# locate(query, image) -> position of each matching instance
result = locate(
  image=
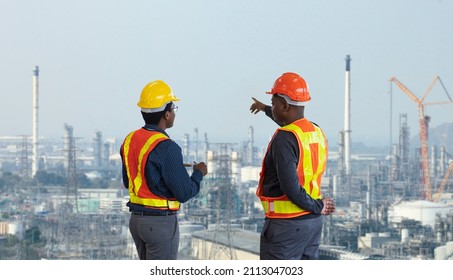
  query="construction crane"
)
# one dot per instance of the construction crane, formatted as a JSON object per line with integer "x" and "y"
{"x": 444, "y": 182}
{"x": 423, "y": 122}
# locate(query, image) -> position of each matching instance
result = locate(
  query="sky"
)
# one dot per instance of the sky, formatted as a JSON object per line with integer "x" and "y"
{"x": 96, "y": 56}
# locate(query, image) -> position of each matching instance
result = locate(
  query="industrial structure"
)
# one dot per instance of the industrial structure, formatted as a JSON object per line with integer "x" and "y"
{"x": 347, "y": 117}
{"x": 74, "y": 206}
{"x": 35, "y": 135}
{"x": 426, "y": 188}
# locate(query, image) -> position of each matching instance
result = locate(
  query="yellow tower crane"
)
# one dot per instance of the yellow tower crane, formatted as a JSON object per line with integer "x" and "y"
{"x": 426, "y": 190}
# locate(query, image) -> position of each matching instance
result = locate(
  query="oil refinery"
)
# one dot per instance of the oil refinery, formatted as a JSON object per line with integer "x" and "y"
{"x": 64, "y": 198}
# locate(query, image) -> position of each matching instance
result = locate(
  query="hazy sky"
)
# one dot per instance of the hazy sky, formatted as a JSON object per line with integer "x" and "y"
{"x": 96, "y": 56}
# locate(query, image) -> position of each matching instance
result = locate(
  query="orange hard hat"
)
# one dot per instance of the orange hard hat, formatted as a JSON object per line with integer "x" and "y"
{"x": 293, "y": 86}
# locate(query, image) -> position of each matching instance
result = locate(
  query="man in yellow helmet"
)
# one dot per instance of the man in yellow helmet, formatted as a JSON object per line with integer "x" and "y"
{"x": 155, "y": 175}
{"x": 290, "y": 180}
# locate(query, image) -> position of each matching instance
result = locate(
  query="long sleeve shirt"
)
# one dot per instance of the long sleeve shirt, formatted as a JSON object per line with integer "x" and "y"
{"x": 281, "y": 172}
{"x": 165, "y": 173}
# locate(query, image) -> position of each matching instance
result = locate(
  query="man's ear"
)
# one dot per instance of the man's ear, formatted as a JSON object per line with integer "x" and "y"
{"x": 167, "y": 115}
{"x": 286, "y": 107}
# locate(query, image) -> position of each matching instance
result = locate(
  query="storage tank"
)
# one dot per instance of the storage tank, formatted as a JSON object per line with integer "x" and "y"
{"x": 420, "y": 210}
{"x": 235, "y": 167}
{"x": 15, "y": 229}
{"x": 404, "y": 235}
{"x": 449, "y": 251}
{"x": 211, "y": 162}
{"x": 250, "y": 173}
{"x": 440, "y": 253}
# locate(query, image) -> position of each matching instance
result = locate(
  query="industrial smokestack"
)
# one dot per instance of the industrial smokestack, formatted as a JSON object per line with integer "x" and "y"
{"x": 34, "y": 167}
{"x": 347, "y": 117}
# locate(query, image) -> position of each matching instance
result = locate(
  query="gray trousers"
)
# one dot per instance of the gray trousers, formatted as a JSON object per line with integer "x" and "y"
{"x": 155, "y": 237}
{"x": 289, "y": 239}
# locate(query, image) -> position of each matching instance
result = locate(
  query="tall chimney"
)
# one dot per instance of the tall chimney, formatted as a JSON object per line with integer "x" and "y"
{"x": 347, "y": 117}
{"x": 34, "y": 167}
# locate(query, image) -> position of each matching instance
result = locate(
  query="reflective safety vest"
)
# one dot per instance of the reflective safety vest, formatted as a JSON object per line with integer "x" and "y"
{"x": 311, "y": 165}
{"x": 136, "y": 148}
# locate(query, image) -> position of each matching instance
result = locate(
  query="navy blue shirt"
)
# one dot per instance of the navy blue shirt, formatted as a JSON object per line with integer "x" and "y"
{"x": 166, "y": 174}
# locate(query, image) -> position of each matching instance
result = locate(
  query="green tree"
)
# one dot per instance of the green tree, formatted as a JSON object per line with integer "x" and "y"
{"x": 83, "y": 181}
{"x": 8, "y": 247}
{"x": 32, "y": 242}
{"x": 44, "y": 178}
{"x": 9, "y": 179}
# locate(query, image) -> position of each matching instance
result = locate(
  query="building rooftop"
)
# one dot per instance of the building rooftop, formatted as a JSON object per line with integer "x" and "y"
{"x": 245, "y": 240}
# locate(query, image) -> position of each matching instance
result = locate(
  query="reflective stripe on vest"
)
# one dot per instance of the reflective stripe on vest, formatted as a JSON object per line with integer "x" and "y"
{"x": 311, "y": 165}
{"x": 135, "y": 157}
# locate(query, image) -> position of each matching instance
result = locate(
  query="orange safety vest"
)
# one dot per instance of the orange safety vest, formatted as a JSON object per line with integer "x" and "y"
{"x": 136, "y": 148}
{"x": 311, "y": 165}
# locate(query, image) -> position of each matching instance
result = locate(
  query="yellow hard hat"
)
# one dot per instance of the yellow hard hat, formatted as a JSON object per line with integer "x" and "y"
{"x": 155, "y": 96}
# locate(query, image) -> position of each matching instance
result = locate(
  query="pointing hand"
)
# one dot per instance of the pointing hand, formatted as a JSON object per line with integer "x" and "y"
{"x": 256, "y": 106}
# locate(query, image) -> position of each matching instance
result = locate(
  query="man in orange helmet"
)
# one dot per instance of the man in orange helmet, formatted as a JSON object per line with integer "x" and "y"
{"x": 290, "y": 180}
{"x": 154, "y": 174}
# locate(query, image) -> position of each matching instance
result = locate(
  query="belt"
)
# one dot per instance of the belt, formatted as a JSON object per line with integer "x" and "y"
{"x": 162, "y": 213}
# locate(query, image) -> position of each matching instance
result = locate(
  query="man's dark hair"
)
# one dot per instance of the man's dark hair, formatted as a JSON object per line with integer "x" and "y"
{"x": 154, "y": 118}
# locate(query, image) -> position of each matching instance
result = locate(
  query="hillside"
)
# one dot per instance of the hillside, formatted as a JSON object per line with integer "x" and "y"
{"x": 441, "y": 135}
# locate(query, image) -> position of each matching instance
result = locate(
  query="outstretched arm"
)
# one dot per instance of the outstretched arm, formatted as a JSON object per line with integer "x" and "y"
{"x": 258, "y": 106}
